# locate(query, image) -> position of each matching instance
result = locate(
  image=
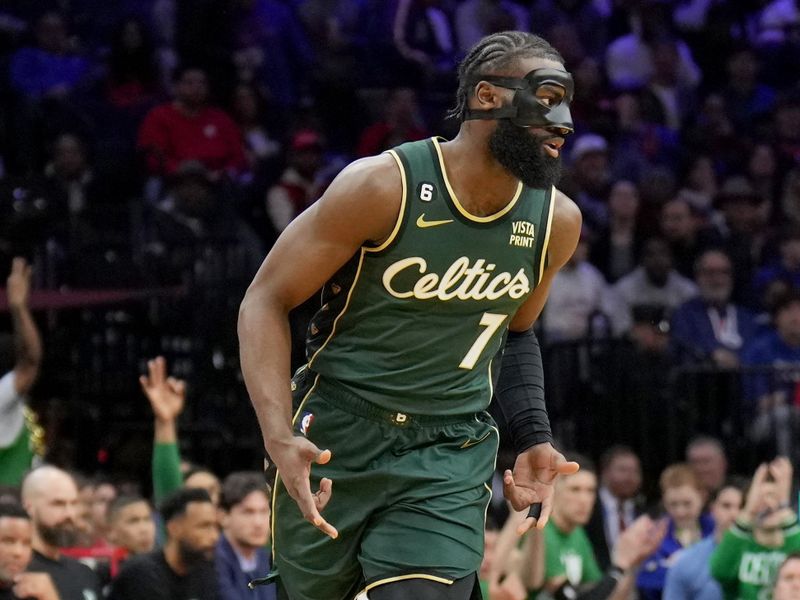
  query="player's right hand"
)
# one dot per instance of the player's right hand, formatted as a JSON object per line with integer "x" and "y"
{"x": 294, "y": 457}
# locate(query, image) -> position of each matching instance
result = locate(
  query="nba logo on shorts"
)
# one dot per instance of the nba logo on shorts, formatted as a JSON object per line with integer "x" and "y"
{"x": 305, "y": 423}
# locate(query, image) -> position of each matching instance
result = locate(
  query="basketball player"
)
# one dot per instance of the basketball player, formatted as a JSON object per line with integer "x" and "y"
{"x": 433, "y": 257}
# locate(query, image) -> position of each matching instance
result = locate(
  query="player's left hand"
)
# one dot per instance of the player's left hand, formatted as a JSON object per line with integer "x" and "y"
{"x": 535, "y": 470}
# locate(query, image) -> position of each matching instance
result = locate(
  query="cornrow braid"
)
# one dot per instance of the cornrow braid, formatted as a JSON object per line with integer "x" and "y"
{"x": 494, "y": 52}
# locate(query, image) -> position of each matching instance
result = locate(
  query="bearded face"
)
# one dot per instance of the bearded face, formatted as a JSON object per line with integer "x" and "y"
{"x": 522, "y": 153}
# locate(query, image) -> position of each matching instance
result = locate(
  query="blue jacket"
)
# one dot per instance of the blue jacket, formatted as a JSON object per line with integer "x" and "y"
{"x": 692, "y": 334}
{"x": 233, "y": 581}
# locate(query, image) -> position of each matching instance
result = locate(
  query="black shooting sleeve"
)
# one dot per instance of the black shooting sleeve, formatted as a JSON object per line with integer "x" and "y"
{"x": 520, "y": 391}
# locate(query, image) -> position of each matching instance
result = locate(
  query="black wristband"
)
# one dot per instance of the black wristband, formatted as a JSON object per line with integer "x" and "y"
{"x": 520, "y": 391}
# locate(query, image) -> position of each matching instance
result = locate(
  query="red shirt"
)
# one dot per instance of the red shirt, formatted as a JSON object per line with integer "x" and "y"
{"x": 169, "y": 137}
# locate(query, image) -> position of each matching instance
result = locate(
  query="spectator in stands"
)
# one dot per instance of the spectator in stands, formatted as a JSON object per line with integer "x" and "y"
{"x": 183, "y": 569}
{"x": 683, "y": 499}
{"x": 747, "y": 558}
{"x": 475, "y": 19}
{"x": 654, "y": 283}
{"x": 774, "y": 394}
{"x": 578, "y": 293}
{"x": 785, "y": 268}
{"x": 261, "y": 146}
{"x": 570, "y": 567}
{"x": 402, "y": 122}
{"x": 51, "y": 69}
{"x": 188, "y": 129}
{"x": 668, "y": 99}
{"x": 615, "y": 249}
{"x": 786, "y": 129}
{"x": 103, "y": 495}
{"x": 750, "y": 103}
{"x": 131, "y": 525}
{"x": 620, "y": 502}
{"x": 50, "y": 497}
{"x": 684, "y": 231}
{"x": 588, "y": 179}
{"x": 21, "y": 437}
{"x": 167, "y": 396}
{"x": 706, "y": 456}
{"x": 710, "y": 327}
{"x": 590, "y": 18}
{"x": 690, "y": 577}
{"x": 790, "y": 197}
{"x": 298, "y": 187}
{"x": 743, "y": 233}
{"x": 423, "y": 37}
{"x": 787, "y": 581}
{"x": 133, "y": 79}
{"x": 15, "y": 555}
{"x": 762, "y": 170}
{"x": 240, "y": 555}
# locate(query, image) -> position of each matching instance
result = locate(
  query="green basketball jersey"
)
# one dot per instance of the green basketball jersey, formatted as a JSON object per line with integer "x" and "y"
{"x": 412, "y": 325}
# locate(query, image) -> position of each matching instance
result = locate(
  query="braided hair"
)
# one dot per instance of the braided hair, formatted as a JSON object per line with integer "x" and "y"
{"x": 494, "y": 52}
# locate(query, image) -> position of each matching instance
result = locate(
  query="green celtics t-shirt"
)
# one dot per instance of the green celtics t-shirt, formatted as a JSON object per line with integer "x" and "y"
{"x": 415, "y": 323}
{"x": 568, "y": 554}
{"x": 745, "y": 569}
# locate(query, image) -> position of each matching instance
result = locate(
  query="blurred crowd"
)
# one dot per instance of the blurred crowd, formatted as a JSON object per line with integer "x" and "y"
{"x": 151, "y": 151}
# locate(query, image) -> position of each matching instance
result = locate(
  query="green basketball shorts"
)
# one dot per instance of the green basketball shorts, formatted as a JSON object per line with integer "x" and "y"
{"x": 409, "y": 497}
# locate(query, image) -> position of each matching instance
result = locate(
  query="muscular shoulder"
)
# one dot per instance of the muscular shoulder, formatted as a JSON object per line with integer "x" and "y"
{"x": 367, "y": 195}
{"x": 565, "y": 229}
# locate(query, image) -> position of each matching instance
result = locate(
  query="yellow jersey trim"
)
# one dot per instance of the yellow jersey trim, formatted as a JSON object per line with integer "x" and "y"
{"x": 459, "y": 207}
{"x": 278, "y": 475}
{"x": 402, "y": 213}
{"x": 427, "y": 576}
{"x": 344, "y": 310}
{"x": 547, "y": 233}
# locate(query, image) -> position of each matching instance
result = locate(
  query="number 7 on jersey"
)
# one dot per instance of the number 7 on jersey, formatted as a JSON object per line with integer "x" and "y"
{"x": 492, "y": 322}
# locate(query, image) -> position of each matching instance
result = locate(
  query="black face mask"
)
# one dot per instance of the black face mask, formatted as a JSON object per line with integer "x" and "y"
{"x": 527, "y": 109}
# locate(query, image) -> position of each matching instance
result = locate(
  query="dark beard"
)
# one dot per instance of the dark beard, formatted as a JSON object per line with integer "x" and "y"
{"x": 523, "y": 156}
{"x": 191, "y": 556}
{"x": 59, "y": 536}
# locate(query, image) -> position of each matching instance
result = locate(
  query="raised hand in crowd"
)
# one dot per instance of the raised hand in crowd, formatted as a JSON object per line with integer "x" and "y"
{"x": 18, "y": 285}
{"x": 167, "y": 396}
{"x": 27, "y": 342}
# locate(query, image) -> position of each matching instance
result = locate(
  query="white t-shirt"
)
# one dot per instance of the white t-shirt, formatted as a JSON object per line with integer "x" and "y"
{"x": 12, "y": 404}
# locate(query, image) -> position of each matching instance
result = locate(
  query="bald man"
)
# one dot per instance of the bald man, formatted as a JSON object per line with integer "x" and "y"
{"x": 50, "y": 497}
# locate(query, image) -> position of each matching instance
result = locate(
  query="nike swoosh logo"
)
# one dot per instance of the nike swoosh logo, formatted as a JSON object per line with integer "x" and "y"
{"x": 469, "y": 443}
{"x": 422, "y": 223}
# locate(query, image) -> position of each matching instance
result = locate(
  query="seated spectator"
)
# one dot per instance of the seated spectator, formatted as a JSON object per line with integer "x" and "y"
{"x": 668, "y": 99}
{"x": 15, "y": 556}
{"x": 773, "y": 395}
{"x": 750, "y": 102}
{"x": 402, "y": 122}
{"x": 51, "y": 69}
{"x": 787, "y": 581}
{"x": 588, "y": 179}
{"x": 619, "y": 500}
{"x": 577, "y": 294}
{"x": 690, "y": 577}
{"x": 50, "y": 497}
{"x": 785, "y": 268}
{"x": 298, "y": 187}
{"x": 615, "y": 249}
{"x": 131, "y": 525}
{"x": 133, "y": 78}
{"x": 747, "y": 558}
{"x": 104, "y": 494}
{"x": 183, "y": 569}
{"x": 21, "y": 437}
{"x": 706, "y": 456}
{"x": 188, "y": 129}
{"x": 683, "y": 500}
{"x": 683, "y": 229}
{"x": 261, "y": 146}
{"x": 569, "y": 566}
{"x": 710, "y": 327}
{"x": 240, "y": 556}
{"x": 654, "y": 283}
